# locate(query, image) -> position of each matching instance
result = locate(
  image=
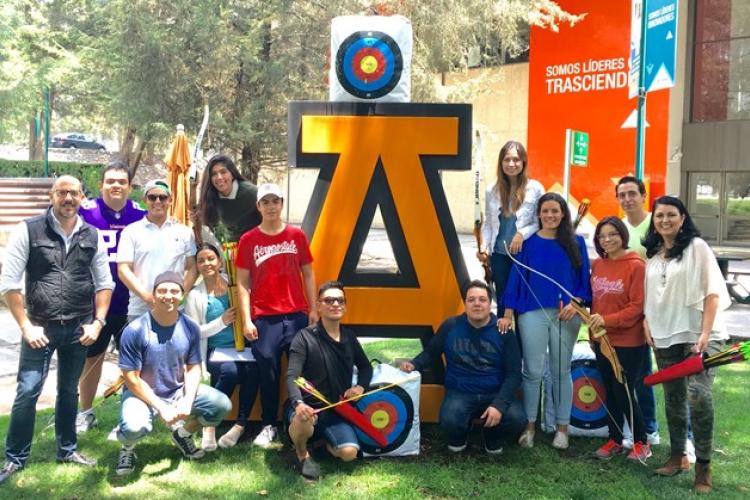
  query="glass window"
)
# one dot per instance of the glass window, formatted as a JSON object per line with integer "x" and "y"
{"x": 703, "y": 204}
{"x": 737, "y": 196}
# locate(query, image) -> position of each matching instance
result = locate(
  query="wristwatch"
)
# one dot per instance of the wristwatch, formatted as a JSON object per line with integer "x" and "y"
{"x": 101, "y": 321}
{"x": 297, "y": 403}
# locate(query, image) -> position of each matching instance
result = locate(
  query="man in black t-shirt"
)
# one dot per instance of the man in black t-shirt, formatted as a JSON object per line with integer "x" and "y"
{"x": 325, "y": 355}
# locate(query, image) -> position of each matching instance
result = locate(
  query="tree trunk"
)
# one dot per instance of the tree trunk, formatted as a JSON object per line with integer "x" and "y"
{"x": 249, "y": 162}
{"x": 139, "y": 154}
{"x": 126, "y": 147}
{"x": 32, "y": 138}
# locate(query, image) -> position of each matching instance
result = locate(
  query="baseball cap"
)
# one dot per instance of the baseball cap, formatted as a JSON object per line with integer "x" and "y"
{"x": 269, "y": 189}
{"x": 169, "y": 277}
{"x": 156, "y": 184}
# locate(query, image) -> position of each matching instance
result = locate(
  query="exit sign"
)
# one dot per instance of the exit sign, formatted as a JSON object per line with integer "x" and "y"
{"x": 579, "y": 153}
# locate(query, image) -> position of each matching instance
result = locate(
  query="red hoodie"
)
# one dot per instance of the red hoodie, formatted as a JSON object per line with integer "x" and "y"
{"x": 617, "y": 289}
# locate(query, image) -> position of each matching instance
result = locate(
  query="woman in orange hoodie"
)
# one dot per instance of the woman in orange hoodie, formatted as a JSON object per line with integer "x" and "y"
{"x": 617, "y": 279}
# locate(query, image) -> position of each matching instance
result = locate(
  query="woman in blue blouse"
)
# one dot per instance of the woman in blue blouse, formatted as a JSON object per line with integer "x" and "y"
{"x": 546, "y": 319}
{"x": 208, "y": 304}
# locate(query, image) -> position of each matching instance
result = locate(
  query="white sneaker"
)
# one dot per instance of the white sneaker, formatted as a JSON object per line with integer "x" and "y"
{"x": 85, "y": 422}
{"x": 653, "y": 438}
{"x": 208, "y": 439}
{"x": 230, "y": 438}
{"x": 526, "y": 440}
{"x": 266, "y": 436}
{"x": 457, "y": 449}
{"x": 690, "y": 451}
{"x": 561, "y": 441}
{"x": 112, "y": 436}
{"x": 627, "y": 443}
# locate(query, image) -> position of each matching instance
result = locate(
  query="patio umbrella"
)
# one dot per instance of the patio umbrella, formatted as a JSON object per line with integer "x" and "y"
{"x": 178, "y": 166}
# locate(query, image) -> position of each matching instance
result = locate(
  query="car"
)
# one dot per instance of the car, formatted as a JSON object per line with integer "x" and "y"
{"x": 76, "y": 141}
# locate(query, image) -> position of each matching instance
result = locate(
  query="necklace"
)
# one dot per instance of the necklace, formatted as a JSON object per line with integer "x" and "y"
{"x": 663, "y": 266}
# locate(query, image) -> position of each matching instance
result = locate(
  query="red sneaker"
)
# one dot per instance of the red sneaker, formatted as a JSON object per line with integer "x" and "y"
{"x": 640, "y": 451}
{"x": 609, "y": 450}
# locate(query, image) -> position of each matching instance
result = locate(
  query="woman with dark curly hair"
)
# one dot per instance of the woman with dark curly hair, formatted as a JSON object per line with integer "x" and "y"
{"x": 227, "y": 198}
{"x": 556, "y": 251}
{"x": 685, "y": 294}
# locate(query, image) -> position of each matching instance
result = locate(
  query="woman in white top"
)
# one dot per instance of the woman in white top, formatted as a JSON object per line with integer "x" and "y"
{"x": 510, "y": 211}
{"x": 685, "y": 294}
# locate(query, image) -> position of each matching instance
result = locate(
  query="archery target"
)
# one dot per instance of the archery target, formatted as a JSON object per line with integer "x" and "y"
{"x": 372, "y": 59}
{"x": 392, "y": 412}
{"x": 589, "y": 395}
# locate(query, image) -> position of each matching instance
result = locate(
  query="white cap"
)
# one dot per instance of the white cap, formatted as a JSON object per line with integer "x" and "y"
{"x": 269, "y": 189}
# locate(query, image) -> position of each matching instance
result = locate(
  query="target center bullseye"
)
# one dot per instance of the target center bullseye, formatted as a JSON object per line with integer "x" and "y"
{"x": 379, "y": 419}
{"x": 587, "y": 394}
{"x": 369, "y": 64}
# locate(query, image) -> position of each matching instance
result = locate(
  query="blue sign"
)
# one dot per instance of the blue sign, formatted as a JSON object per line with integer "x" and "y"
{"x": 661, "y": 36}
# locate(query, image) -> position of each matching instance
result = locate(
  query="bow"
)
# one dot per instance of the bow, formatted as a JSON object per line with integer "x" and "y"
{"x": 478, "y": 218}
{"x": 194, "y": 176}
{"x": 600, "y": 334}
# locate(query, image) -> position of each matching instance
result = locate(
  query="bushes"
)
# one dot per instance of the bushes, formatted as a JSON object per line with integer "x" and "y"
{"x": 88, "y": 173}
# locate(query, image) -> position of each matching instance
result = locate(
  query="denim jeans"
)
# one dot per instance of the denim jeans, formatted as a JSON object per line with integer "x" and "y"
{"x": 136, "y": 417}
{"x": 646, "y": 398}
{"x": 459, "y": 408}
{"x": 33, "y": 367}
{"x": 226, "y": 375}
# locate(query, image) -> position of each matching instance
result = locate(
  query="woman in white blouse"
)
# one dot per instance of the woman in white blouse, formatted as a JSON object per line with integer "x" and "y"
{"x": 685, "y": 297}
{"x": 510, "y": 211}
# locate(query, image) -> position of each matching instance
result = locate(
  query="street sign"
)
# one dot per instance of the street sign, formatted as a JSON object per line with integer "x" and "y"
{"x": 661, "y": 44}
{"x": 579, "y": 153}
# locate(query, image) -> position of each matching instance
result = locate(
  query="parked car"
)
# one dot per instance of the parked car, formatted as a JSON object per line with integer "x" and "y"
{"x": 75, "y": 141}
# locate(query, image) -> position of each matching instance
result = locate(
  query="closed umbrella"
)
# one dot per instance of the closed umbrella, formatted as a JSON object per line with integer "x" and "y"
{"x": 178, "y": 166}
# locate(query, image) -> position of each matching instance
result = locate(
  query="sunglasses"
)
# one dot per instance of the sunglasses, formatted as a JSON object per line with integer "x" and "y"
{"x": 161, "y": 197}
{"x": 329, "y": 301}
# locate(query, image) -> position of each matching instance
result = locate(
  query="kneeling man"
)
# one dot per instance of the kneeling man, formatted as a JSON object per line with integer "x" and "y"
{"x": 161, "y": 362}
{"x": 483, "y": 370}
{"x": 325, "y": 355}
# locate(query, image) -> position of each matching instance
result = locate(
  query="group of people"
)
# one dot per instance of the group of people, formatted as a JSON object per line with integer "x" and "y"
{"x": 104, "y": 268}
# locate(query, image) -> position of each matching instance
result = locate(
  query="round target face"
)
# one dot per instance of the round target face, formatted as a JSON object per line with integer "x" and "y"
{"x": 589, "y": 396}
{"x": 369, "y": 64}
{"x": 392, "y": 412}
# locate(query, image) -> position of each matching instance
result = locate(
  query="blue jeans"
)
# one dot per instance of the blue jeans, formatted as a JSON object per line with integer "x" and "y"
{"x": 136, "y": 417}
{"x": 275, "y": 334}
{"x": 227, "y": 375}
{"x": 33, "y": 367}
{"x": 501, "y": 265}
{"x": 646, "y": 399}
{"x": 459, "y": 408}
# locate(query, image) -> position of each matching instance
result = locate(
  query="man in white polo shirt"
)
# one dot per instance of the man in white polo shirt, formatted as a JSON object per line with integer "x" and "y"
{"x": 153, "y": 245}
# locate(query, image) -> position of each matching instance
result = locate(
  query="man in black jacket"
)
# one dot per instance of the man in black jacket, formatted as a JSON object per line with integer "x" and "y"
{"x": 482, "y": 373}
{"x": 325, "y": 355}
{"x": 68, "y": 289}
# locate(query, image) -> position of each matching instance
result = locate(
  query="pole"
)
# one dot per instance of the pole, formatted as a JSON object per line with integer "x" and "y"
{"x": 640, "y": 138}
{"x": 46, "y": 131}
{"x": 566, "y": 167}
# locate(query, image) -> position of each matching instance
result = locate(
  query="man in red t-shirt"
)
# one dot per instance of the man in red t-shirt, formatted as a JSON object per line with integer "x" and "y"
{"x": 276, "y": 285}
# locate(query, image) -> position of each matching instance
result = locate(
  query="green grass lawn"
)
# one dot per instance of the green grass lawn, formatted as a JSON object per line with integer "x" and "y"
{"x": 541, "y": 472}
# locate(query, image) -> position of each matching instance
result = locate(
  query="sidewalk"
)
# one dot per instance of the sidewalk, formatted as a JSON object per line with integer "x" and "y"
{"x": 377, "y": 252}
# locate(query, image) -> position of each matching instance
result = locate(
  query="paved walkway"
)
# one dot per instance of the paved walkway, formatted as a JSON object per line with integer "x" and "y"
{"x": 377, "y": 252}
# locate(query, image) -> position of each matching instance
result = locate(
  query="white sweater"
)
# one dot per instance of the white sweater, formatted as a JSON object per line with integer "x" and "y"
{"x": 526, "y": 220}
{"x": 195, "y": 307}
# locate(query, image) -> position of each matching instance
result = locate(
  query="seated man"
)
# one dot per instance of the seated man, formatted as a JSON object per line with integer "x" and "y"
{"x": 325, "y": 354}
{"x": 161, "y": 362}
{"x": 483, "y": 370}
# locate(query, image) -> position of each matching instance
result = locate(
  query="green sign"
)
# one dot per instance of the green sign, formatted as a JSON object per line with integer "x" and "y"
{"x": 579, "y": 153}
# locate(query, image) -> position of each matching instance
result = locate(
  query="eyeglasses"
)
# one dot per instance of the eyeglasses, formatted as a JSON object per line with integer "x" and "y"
{"x": 329, "y": 301}
{"x": 63, "y": 193}
{"x": 161, "y": 197}
{"x": 610, "y": 236}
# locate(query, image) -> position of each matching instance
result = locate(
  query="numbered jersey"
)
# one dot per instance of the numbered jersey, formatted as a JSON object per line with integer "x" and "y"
{"x": 110, "y": 224}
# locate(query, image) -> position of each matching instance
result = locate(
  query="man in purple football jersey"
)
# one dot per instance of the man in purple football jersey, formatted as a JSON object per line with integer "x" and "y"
{"x": 109, "y": 214}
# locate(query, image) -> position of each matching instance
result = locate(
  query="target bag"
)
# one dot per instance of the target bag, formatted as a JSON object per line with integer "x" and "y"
{"x": 394, "y": 411}
{"x": 370, "y": 59}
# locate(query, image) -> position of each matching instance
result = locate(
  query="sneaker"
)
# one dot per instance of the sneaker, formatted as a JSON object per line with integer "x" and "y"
{"x": 8, "y": 470}
{"x": 309, "y": 468}
{"x": 690, "y": 451}
{"x": 125, "y": 461}
{"x": 187, "y": 445}
{"x": 85, "y": 422}
{"x": 608, "y": 450}
{"x": 561, "y": 441}
{"x": 527, "y": 439}
{"x": 493, "y": 451}
{"x": 627, "y": 443}
{"x": 77, "y": 459}
{"x": 640, "y": 452}
{"x": 230, "y": 438}
{"x": 457, "y": 449}
{"x": 266, "y": 436}
{"x": 208, "y": 439}
{"x": 653, "y": 438}
{"x": 112, "y": 436}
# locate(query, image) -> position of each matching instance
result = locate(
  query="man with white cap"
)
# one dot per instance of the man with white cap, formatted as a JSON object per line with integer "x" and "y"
{"x": 160, "y": 358}
{"x": 152, "y": 245}
{"x": 276, "y": 288}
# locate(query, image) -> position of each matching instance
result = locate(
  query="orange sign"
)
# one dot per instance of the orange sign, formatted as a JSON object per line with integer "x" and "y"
{"x": 578, "y": 80}
{"x": 386, "y": 156}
